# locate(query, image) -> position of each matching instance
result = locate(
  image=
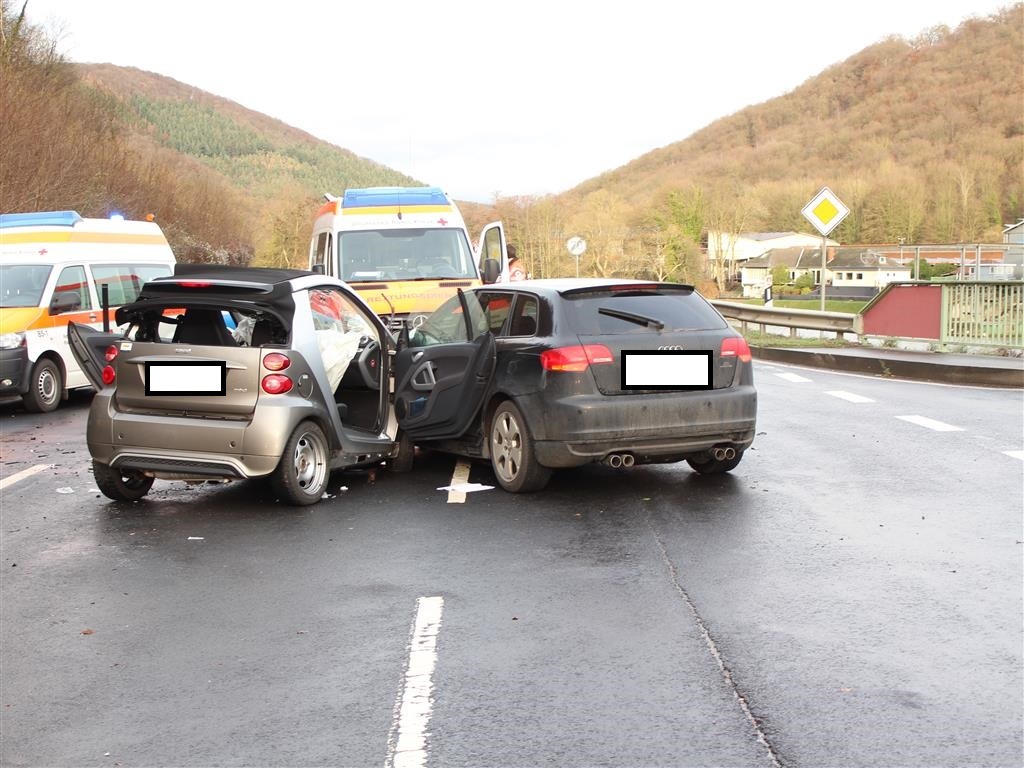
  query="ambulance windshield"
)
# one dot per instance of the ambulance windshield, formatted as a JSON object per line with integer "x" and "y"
{"x": 404, "y": 254}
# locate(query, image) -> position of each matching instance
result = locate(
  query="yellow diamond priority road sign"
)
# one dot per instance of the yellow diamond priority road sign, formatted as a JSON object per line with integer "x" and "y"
{"x": 825, "y": 211}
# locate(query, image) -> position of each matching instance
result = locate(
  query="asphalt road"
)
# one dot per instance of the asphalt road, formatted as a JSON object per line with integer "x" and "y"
{"x": 850, "y": 596}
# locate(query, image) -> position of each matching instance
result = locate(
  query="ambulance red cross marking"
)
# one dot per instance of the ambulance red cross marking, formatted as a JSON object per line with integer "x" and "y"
{"x": 442, "y": 221}
{"x": 43, "y": 251}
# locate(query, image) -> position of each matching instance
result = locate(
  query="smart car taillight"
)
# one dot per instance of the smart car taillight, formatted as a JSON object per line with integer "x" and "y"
{"x": 736, "y": 346}
{"x": 276, "y": 384}
{"x": 108, "y": 375}
{"x": 275, "y": 361}
{"x": 576, "y": 358}
{"x": 110, "y": 353}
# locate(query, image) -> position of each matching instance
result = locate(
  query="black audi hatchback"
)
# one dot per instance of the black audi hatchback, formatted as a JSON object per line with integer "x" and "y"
{"x": 546, "y": 374}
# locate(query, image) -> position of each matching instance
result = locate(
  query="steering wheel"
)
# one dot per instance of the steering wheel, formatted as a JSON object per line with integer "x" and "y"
{"x": 368, "y": 361}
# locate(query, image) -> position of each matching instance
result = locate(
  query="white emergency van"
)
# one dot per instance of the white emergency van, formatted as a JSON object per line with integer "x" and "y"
{"x": 53, "y": 269}
{"x": 404, "y": 249}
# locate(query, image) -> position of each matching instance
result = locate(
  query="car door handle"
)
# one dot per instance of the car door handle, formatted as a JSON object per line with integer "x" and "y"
{"x": 424, "y": 380}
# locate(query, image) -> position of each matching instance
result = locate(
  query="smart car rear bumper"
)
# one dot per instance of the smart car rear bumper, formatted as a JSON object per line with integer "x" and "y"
{"x": 577, "y": 429}
{"x": 176, "y": 447}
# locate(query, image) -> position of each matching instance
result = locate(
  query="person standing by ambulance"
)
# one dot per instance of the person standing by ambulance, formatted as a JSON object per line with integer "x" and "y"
{"x": 515, "y": 267}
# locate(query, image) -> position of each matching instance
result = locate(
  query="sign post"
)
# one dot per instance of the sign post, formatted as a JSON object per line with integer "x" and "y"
{"x": 825, "y": 211}
{"x": 576, "y": 245}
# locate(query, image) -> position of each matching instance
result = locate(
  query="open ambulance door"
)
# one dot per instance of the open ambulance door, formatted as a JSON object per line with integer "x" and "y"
{"x": 492, "y": 254}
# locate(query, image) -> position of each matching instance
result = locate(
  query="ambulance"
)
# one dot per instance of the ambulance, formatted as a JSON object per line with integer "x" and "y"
{"x": 404, "y": 249}
{"x": 55, "y": 267}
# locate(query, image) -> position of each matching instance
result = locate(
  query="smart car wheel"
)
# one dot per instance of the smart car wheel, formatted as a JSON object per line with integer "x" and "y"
{"x": 715, "y": 466}
{"x": 512, "y": 454}
{"x": 301, "y": 477}
{"x": 130, "y": 485}
{"x": 45, "y": 387}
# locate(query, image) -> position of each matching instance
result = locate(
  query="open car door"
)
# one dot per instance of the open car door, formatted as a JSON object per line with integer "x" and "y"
{"x": 442, "y": 376}
{"x": 89, "y": 347}
{"x": 492, "y": 253}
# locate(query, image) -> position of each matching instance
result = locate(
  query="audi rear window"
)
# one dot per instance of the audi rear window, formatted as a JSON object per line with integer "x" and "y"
{"x": 640, "y": 309}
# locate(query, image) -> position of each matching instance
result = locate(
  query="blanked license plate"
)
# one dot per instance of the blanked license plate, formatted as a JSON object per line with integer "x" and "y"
{"x": 186, "y": 377}
{"x": 666, "y": 369}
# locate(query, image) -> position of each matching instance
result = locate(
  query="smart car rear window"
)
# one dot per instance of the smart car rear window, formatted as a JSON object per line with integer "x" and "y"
{"x": 639, "y": 309}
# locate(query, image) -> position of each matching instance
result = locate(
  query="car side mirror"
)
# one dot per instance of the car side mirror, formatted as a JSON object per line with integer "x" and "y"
{"x": 491, "y": 270}
{"x": 65, "y": 301}
{"x": 318, "y": 268}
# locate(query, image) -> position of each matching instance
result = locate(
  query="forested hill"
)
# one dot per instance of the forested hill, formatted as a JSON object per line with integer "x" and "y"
{"x": 257, "y": 153}
{"x": 922, "y": 138}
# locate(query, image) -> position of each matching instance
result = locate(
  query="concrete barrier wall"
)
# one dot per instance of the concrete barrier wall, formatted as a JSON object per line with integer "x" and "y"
{"x": 905, "y": 311}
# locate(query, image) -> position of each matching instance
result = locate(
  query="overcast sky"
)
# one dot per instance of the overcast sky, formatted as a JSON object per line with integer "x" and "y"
{"x": 482, "y": 98}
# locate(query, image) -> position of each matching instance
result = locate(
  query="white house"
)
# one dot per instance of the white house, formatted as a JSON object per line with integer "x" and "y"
{"x": 864, "y": 268}
{"x": 756, "y": 273}
{"x": 859, "y": 271}
{"x": 749, "y": 245}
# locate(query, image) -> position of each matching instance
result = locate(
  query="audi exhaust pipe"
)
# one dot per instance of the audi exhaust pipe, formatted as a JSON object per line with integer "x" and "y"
{"x": 723, "y": 453}
{"x": 620, "y": 460}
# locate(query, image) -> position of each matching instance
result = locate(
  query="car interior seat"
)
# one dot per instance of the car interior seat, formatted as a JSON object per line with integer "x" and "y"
{"x": 264, "y": 332}
{"x": 524, "y": 325}
{"x": 205, "y": 327}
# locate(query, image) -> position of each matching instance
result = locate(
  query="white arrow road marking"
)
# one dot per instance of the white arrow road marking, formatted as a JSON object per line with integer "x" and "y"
{"x": 407, "y": 742}
{"x": 924, "y": 421}
{"x": 794, "y": 377}
{"x": 850, "y": 396}
{"x": 12, "y": 479}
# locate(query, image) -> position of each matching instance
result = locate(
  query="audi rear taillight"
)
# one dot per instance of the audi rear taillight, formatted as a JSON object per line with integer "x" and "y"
{"x": 736, "y": 346}
{"x": 276, "y": 384}
{"x": 577, "y": 358}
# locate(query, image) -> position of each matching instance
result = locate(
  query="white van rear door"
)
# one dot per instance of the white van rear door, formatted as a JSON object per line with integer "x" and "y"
{"x": 492, "y": 245}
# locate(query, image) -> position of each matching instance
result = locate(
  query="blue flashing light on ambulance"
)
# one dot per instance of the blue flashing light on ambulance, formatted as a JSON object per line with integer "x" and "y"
{"x": 404, "y": 249}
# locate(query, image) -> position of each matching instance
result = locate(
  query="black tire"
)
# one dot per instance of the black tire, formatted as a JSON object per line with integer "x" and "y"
{"x": 513, "y": 458}
{"x": 45, "y": 388}
{"x": 402, "y": 461}
{"x": 715, "y": 467}
{"x": 302, "y": 475}
{"x": 130, "y": 485}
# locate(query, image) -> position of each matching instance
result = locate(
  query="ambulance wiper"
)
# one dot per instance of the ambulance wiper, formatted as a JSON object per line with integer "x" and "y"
{"x": 650, "y": 322}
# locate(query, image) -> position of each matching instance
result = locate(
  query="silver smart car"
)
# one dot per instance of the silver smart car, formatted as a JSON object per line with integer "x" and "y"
{"x": 232, "y": 373}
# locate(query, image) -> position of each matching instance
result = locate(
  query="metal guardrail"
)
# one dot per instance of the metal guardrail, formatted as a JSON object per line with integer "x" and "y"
{"x": 794, "y": 319}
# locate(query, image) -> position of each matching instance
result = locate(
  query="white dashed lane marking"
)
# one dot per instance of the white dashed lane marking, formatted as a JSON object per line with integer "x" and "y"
{"x": 850, "y": 396}
{"x": 407, "y": 743}
{"x": 924, "y": 421}
{"x": 794, "y": 377}
{"x": 459, "y": 476}
{"x": 12, "y": 479}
